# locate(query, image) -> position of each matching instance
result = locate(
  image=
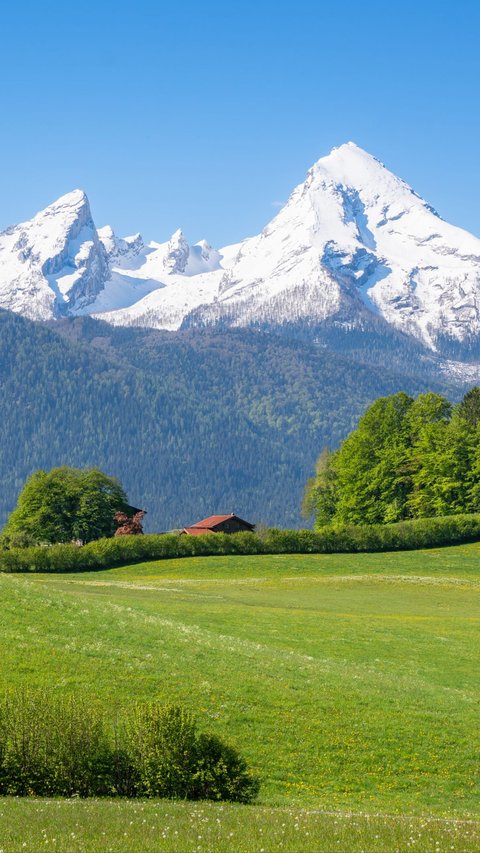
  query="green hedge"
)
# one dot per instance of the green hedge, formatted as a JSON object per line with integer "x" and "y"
{"x": 65, "y": 746}
{"x": 107, "y": 553}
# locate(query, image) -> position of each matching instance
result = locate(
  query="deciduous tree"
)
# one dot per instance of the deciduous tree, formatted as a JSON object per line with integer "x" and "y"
{"x": 406, "y": 459}
{"x": 66, "y": 504}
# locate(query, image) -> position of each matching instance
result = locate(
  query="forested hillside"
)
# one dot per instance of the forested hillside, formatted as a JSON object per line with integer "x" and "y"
{"x": 192, "y": 423}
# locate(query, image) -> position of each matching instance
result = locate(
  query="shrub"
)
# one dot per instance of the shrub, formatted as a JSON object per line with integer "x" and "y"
{"x": 161, "y": 743}
{"x": 171, "y": 759}
{"x": 221, "y": 773}
{"x": 53, "y": 746}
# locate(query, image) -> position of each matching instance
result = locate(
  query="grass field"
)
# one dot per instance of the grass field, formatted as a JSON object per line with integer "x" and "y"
{"x": 350, "y": 682}
{"x": 93, "y": 826}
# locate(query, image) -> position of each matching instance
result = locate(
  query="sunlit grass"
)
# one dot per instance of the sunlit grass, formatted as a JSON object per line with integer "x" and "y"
{"x": 347, "y": 681}
{"x": 152, "y": 827}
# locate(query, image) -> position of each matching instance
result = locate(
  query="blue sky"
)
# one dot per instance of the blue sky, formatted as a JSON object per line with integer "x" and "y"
{"x": 205, "y": 115}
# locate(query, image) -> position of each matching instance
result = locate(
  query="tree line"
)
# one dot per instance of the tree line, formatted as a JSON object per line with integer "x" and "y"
{"x": 408, "y": 459}
{"x": 331, "y": 539}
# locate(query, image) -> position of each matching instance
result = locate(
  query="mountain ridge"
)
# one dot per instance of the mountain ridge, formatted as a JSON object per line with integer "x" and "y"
{"x": 354, "y": 246}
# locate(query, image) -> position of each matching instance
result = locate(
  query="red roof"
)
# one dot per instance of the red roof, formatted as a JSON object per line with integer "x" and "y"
{"x": 212, "y": 520}
{"x": 209, "y": 524}
{"x": 197, "y": 531}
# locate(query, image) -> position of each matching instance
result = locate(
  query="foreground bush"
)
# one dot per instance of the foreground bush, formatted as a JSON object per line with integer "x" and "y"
{"x": 64, "y": 747}
{"x": 345, "y": 538}
{"x": 53, "y": 747}
{"x": 172, "y": 760}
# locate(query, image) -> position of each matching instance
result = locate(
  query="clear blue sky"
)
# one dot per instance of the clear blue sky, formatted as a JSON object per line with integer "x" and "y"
{"x": 203, "y": 115}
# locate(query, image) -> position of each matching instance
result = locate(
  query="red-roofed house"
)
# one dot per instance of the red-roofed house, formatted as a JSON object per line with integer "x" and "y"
{"x": 219, "y": 524}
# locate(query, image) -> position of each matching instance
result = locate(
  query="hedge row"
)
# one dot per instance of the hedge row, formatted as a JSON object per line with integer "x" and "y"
{"x": 65, "y": 746}
{"x": 107, "y": 553}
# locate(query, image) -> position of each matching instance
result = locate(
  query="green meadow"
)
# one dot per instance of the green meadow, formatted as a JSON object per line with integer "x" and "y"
{"x": 349, "y": 682}
{"x": 131, "y": 826}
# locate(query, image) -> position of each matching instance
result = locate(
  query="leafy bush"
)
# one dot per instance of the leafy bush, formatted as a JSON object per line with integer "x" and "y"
{"x": 221, "y": 773}
{"x": 171, "y": 759}
{"x": 53, "y": 746}
{"x": 161, "y": 743}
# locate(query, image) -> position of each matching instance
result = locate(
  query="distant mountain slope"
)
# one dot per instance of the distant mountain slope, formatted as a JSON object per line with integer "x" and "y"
{"x": 193, "y": 423}
{"x": 354, "y": 249}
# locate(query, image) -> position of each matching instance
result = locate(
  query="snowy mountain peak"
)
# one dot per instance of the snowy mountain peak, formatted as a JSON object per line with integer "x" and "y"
{"x": 75, "y": 198}
{"x": 350, "y": 148}
{"x": 351, "y": 166}
{"x": 63, "y": 219}
{"x": 354, "y": 247}
{"x": 70, "y": 206}
{"x": 348, "y": 151}
{"x": 352, "y": 244}
{"x": 177, "y": 237}
{"x": 203, "y": 258}
{"x": 178, "y": 251}
{"x": 108, "y": 239}
{"x": 68, "y": 214}
{"x": 205, "y": 249}
{"x": 54, "y": 263}
{"x": 119, "y": 249}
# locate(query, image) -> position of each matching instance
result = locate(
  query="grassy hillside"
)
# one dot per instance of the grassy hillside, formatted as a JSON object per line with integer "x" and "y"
{"x": 348, "y": 681}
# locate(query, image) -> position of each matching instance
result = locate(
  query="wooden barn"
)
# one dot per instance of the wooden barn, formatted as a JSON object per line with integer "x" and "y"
{"x": 219, "y": 524}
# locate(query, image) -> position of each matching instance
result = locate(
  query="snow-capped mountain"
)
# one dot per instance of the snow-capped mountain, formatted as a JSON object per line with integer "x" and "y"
{"x": 353, "y": 244}
{"x": 55, "y": 263}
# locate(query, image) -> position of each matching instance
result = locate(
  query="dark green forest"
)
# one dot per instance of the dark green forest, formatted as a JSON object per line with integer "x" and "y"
{"x": 192, "y": 423}
{"x": 408, "y": 458}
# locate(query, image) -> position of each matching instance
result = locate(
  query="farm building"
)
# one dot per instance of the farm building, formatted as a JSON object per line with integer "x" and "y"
{"x": 219, "y": 524}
